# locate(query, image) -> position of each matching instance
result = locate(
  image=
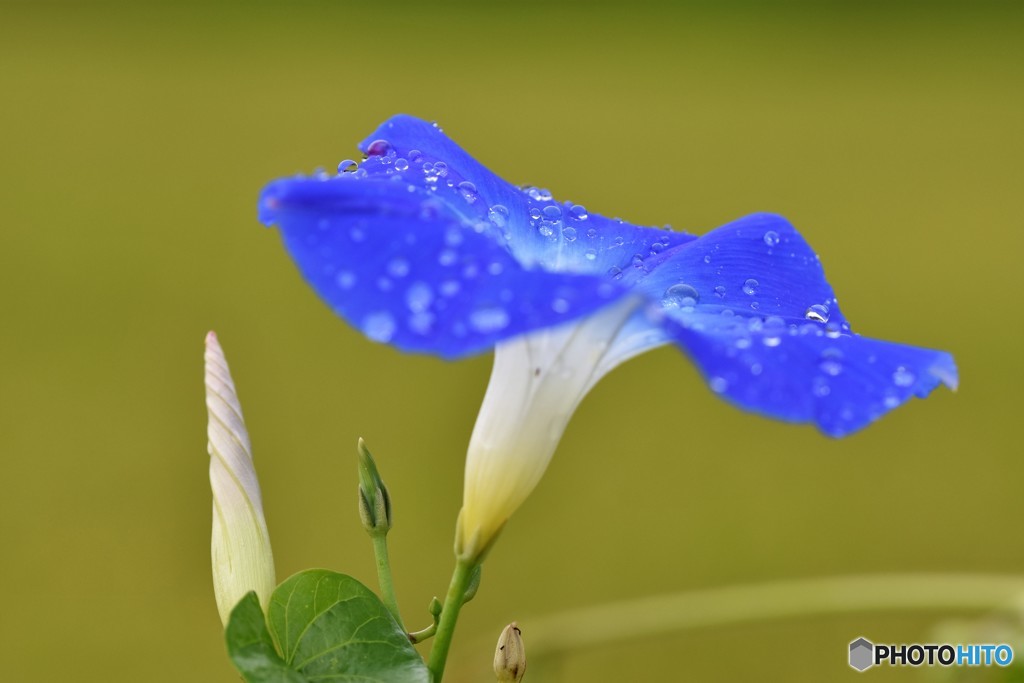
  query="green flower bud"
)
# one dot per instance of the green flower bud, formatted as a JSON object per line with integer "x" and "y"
{"x": 374, "y": 500}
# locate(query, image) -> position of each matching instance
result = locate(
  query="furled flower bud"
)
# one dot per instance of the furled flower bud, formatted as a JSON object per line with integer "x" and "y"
{"x": 374, "y": 499}
{"x": 510, "y": 655}
{"x": 242, "y": 560}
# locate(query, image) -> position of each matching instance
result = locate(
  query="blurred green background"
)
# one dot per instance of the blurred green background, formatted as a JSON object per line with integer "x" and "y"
{"x": 134, "y": 141}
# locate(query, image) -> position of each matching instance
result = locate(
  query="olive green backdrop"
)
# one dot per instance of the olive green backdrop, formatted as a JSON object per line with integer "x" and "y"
{"x": 134, "y": 141}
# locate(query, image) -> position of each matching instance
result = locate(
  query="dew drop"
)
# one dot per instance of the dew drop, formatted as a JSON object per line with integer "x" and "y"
{"x": 546, "y": 228}
{"x": 378, "y": 148}
{"x": 680, "y": 296}
{"x": 592, "y": 233}
{"x": 817, "y": 313}
{"x": 578, "y": 212}
{"x": 420, "y": 322}
{"x": 401, "y": 164}
{"x": 591, "y": 254}
{"x": 379, "y": 326}
{"x": 552, "y": 211}
{"x": 347, "y": 166}
{"x": 569, "y": 234}
{"x": 720, "y": 292}
{"x": 398, "y": 267}
{"x": 418, "y": 297}
{"x": 750, "y": 287}
{"x": 771, "y": 238}
{"x": 498, "y": 215}
{"x": 345, "y": 279}
{"x": 468, "y": 191}
{"x": 618, "y": 241}
{"x": 615, "y": 273}
{"x": 487, "y": 320}
{"x": 903, "y": 377}
{"x": 707, "y": 259}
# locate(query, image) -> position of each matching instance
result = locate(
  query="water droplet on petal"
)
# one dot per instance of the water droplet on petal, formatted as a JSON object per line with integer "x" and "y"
{"x": 379, "y": 326}
{"x": 615, "y": 273}
{"x": 398, "y": 267}
{"x": 903, "y": 377}
{"x": 817, "y": 313}
{"x": 680, "y": 296}
{"x": 750, "y": 287}
{"x": 378, "y": 148}
{"x": 618, "y": 241}
{"x": 720, "y": 292}
{"x": 591, "y": 254}
{"x": 347, "y": 166}
{"x": 546, "y": 228}
{"x": 592, "y": 233}
{"x": 487, "y": 320}
{"x": 569, "y": 234}
{"x": 578, "y": 212}
{"x": 552, "y": 211}
{"x": 420, "y": 322}
{"x": 468, "y": 191}
{"x": 498, "y": 215}
{"x": 535, "y": 213}
{"x": 771, "y": 238}
{"x": 832, "y": 330}
{"x": 401, "y": 164}
{"x": 418, "y": 297}
{"x": 707, "y": 259}
{"x": 345, "y": 279}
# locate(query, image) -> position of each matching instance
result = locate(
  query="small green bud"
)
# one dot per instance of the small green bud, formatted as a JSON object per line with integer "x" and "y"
{"x": 474, "y": 584}
{"x": 374, "y": 500}
{"x": 510, "y": 655}
{"x": 435, "y": 608}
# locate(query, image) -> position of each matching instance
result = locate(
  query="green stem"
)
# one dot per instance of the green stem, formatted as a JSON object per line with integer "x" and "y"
{"x": 387, "y": 586}
{"x": 449, "y": 615}
{"x": 420, "y": 636}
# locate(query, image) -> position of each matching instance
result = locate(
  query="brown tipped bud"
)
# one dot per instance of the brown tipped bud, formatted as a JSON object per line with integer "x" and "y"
{"x": 510, "y": 655}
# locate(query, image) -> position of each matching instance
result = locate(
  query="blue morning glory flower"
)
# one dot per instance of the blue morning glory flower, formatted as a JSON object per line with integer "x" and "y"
{"x": 422, "y": 247}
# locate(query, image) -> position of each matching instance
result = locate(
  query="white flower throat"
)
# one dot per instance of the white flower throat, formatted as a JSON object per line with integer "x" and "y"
{"x": 536, "y": 384}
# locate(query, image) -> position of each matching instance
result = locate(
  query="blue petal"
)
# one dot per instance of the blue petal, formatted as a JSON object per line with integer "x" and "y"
{"x": 536, "y": 229}
{"x": 399, "y": 264}
{"x": 758, "y": 266}
{"x": 799, "y": 373}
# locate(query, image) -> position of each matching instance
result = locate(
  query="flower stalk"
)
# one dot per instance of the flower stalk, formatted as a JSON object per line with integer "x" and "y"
{"x": 375, "y": 513}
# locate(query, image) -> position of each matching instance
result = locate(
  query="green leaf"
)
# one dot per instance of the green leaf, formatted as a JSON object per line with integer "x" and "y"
{"x": 252, "y": 649}
{"x": 330, "y": 627}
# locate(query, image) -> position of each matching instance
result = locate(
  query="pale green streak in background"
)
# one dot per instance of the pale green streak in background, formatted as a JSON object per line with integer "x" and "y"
{"x": 133, "y": 142}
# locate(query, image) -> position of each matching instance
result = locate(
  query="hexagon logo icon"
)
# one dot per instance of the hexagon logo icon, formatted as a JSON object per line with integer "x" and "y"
{"x": 862, "y": 654}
